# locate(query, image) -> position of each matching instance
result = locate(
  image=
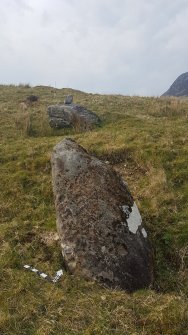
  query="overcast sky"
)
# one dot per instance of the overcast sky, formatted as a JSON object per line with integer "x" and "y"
{"x": 101, "y": 46}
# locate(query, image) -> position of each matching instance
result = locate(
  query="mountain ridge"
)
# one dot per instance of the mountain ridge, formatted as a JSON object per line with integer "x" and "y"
{"x": 179, "y": 87}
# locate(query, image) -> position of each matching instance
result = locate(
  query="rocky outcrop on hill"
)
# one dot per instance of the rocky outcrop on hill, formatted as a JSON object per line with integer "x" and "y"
{"x": 99, "y": 225}
{"x": 179, "y": 88}
{"x": 71, "y": 115}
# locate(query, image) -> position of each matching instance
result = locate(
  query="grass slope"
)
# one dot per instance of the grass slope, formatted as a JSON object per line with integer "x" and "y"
{"x": 145, "y": 139}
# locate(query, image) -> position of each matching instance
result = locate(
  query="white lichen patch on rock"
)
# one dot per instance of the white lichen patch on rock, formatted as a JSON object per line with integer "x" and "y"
{"x": 144, "y": 233}
{"x": 134, "y": 219}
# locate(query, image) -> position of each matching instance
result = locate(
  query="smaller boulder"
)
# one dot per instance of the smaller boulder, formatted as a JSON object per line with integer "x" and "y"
{"x": 68, "y": 100}
{"x": 32, "y": 98}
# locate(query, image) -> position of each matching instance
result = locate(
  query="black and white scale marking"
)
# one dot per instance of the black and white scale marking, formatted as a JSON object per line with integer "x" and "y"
{"x": 44, "y": 275}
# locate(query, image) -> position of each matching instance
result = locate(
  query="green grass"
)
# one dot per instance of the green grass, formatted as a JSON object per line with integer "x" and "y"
{"x": 145, "y": 139}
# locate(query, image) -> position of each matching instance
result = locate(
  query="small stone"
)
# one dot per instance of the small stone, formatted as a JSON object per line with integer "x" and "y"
{"x": 68, "y": 100}
{"x": 32, "y": 98}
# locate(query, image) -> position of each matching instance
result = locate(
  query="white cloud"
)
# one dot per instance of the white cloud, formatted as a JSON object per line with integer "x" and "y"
{"x": 111, "y": 46}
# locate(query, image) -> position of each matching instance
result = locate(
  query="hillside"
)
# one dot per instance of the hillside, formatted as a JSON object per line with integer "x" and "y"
{"x": 179, "y": 88}
{"x": 145, "y": 139}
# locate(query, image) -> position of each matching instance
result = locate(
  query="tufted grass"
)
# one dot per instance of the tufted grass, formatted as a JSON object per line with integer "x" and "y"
{"x": 145, "y": 139}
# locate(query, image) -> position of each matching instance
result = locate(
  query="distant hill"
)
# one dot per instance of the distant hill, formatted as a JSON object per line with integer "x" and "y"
{"x": 179, "y": 87}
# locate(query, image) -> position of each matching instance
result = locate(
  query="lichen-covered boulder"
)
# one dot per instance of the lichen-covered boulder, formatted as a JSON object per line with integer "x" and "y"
{"x": 99, "y": 225}
{"x": 71, "y": 115}
{"x": 60, "y": 116}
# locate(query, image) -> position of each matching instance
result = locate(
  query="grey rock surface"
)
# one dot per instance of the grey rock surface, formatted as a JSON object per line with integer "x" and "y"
{"x": 99, "y": 225}
{"x": 179, "y": 88}
{"x": 71, "y": 115}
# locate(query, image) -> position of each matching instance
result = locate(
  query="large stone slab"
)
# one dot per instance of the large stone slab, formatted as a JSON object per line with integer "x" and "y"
{"x": 99, "y": 224}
